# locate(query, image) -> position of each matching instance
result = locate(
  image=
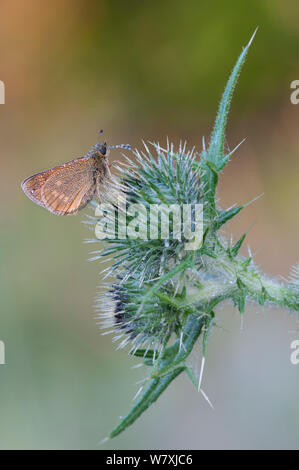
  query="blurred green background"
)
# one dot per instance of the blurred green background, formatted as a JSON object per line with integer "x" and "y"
{"x": 142, "y": 70}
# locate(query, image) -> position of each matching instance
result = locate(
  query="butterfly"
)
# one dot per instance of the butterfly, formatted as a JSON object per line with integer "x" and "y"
{"x": 65, "y": 189}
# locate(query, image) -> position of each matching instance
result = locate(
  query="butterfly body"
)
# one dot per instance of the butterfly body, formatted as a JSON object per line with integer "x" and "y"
{"x": 67, "y": 188}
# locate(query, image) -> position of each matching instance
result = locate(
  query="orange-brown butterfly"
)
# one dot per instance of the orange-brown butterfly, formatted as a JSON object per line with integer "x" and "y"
{"x": 67, "y": 188}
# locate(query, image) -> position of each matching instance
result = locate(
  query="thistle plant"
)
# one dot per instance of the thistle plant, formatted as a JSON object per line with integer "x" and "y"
{"x": 160, "y": 298}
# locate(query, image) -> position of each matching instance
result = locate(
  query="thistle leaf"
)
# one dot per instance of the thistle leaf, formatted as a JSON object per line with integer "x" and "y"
{"x": 225, "y": 216}
{"x": 236, "y": 248}
{"x": 215, "y": 150}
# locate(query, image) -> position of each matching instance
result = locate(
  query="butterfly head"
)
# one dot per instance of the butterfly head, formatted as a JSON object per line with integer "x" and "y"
{"x": 101, "y": 150}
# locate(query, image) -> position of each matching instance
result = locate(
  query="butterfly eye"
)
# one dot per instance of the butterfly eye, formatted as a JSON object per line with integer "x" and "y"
{"x": 103, "y": 149}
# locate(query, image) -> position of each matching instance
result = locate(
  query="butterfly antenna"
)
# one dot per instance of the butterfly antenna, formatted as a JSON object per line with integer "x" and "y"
{"x": 121, "y": 146}
{"x": 100, "y": 136}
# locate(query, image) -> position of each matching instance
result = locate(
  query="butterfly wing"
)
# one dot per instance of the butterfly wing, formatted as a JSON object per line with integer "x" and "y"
{"x": 32, "y": 186}
{"x": 65, "y": 189}
{"x": 70, "y": 187}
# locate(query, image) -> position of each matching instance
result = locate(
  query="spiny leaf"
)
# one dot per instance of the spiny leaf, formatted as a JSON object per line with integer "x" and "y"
{"x": 246, "y": 263}
{"x": 241, "y": 296}
{"x": 225, "y": 216}
{"x": 215, "y": 151}
{"x": 152, "y": 392}
{"x": 241, "y": 284}
{"x": 263, "y": 296}
{"x": 236, "y": 248}
{"x": 206, "y": 251}
{"x": 147, "y": 354}
{"x": 225, "y": 159}
{"x": 241, "y": 302}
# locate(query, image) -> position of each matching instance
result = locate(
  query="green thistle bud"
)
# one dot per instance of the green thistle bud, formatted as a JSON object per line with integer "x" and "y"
{"x": 140, "y": 330}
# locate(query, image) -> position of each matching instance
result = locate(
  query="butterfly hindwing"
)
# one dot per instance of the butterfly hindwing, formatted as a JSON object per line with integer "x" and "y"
{"x": 32, "y": 186}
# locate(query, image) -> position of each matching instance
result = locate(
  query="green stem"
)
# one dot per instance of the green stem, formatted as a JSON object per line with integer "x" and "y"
{"x": 257, "y": 286}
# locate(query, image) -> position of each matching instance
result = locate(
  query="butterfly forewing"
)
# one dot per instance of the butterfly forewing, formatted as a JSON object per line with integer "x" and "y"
{"x": 65, "y": 189}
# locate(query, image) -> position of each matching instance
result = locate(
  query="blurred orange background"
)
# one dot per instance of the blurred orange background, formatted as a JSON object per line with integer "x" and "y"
{"x": 142, "y": 70}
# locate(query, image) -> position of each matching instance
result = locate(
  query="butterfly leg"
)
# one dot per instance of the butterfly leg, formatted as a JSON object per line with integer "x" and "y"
{"x": 107, "y": 167}
{"x": 98, "y": 191}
